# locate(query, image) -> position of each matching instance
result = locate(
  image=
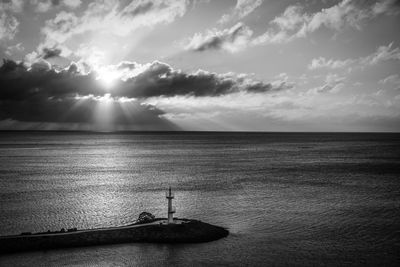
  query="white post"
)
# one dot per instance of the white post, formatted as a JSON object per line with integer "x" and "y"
{"x": 171, "y": 211}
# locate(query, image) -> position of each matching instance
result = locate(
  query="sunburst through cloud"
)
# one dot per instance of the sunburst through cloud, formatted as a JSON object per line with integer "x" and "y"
{"x": 266, "y": 132}
{"x": 286, "y": 74}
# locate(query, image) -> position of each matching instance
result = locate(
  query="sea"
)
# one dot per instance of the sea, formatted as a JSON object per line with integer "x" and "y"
{"x": 288, "y": 199}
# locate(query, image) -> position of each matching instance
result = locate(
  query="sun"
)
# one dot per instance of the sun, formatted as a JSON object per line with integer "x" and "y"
{"x": 107, "y": 77}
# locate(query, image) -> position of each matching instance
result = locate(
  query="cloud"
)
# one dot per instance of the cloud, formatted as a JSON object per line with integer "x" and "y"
{"x": 72, "y": 3}
{"x": 49, "y": 53}
{"x": 112, "y": 17}
{"x": 8, "y": 26}
{"x": 84, "y": 110}
{"x": 43, "y": 6}
{"x": 56, "y": 56}
{"x": 61, "y": 28}
{"x": 392, "y": 80}
{"x": 134, "y": 81}
{"x": 15, "y": 6}
{"x": 333, "y": 84}
{"x": 13, "y": 49}
{"x": 321, "y": 62}
{"x": 8, "y": 22}
{"x": 232, "y": 40}
{"x": 40, "y": 93}
{"x": 295, "y": 23}
{"x": 159, "y": 79}
{"x": 383, "y": 53}
{"x": 292, "y": 20}
{"x": 241, "y": 10}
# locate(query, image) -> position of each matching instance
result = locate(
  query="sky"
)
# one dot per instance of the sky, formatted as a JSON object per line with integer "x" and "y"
{"x": 198, "y": 65}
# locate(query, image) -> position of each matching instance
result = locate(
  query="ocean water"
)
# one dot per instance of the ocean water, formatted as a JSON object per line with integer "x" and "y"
{"x": 288, "y": 199}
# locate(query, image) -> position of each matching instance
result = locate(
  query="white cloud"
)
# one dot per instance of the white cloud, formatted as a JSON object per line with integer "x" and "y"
{"x": 8, "y": 26}
{"x": 91, "y": 55}
{"x": 383, "y": 53}
{"x": 111, "y": 17}
{"x": 42, "y": 6}
{"x": 282, "y": 81}
{"x": 295, "y": 23}
{"x": 232, "y": 40}
{"x": 31, "y": 58}
{"x": 333, "y": 84}
{"x": 241, "y": 10}
{"x": 61, "y": 28}
{"x": 321, "y": 62}
{"x": 72, "y": 3}
{"x": 8, "y": 22}
{"x": 11, "y": 50}
{"x": 291, "y": 19}
{"x": 392, "y": 80}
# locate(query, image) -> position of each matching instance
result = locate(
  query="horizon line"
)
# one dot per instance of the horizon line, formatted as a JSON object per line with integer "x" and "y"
{"x": 196, "y": 131}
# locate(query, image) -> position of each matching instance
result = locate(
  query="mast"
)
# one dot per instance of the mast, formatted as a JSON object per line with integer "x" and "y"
{"x": 171, "y": 210}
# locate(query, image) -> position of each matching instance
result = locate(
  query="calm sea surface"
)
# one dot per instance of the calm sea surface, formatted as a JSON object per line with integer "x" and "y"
{"x": 287, "y": 198}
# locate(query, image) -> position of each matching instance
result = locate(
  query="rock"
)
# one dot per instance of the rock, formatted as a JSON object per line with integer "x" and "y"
{"x": 146, "y": 217}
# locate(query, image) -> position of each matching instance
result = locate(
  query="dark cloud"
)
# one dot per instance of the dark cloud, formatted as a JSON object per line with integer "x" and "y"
{"x": 17, "y": 82}
{"x": 259, "y": 87}
{"x": 51, "y": 52}
{"x": 85, "y": 110}
{"x": 161, "y": 80}
{"x": 156, "y": 79}
{"x": 127, "y": 65}
{"x": 41, "y": 93}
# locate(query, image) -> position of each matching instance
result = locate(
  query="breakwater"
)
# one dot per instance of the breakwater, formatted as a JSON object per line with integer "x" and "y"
{"x": 186, "y": 231}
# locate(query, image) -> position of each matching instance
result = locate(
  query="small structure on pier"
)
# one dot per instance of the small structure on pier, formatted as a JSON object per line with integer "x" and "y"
{"x": 171, "y": 210}
{"x": 146, "y": 217}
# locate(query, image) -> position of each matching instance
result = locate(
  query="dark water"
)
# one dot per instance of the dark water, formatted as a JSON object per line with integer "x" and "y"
{"x": 288, "y": 199}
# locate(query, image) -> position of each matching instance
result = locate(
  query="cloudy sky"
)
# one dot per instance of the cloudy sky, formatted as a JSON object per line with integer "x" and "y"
{"x": 245, "y": 65}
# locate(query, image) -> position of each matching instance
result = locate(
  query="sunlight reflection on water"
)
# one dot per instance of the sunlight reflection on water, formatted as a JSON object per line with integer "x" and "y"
{"x": 298, "y": 200}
